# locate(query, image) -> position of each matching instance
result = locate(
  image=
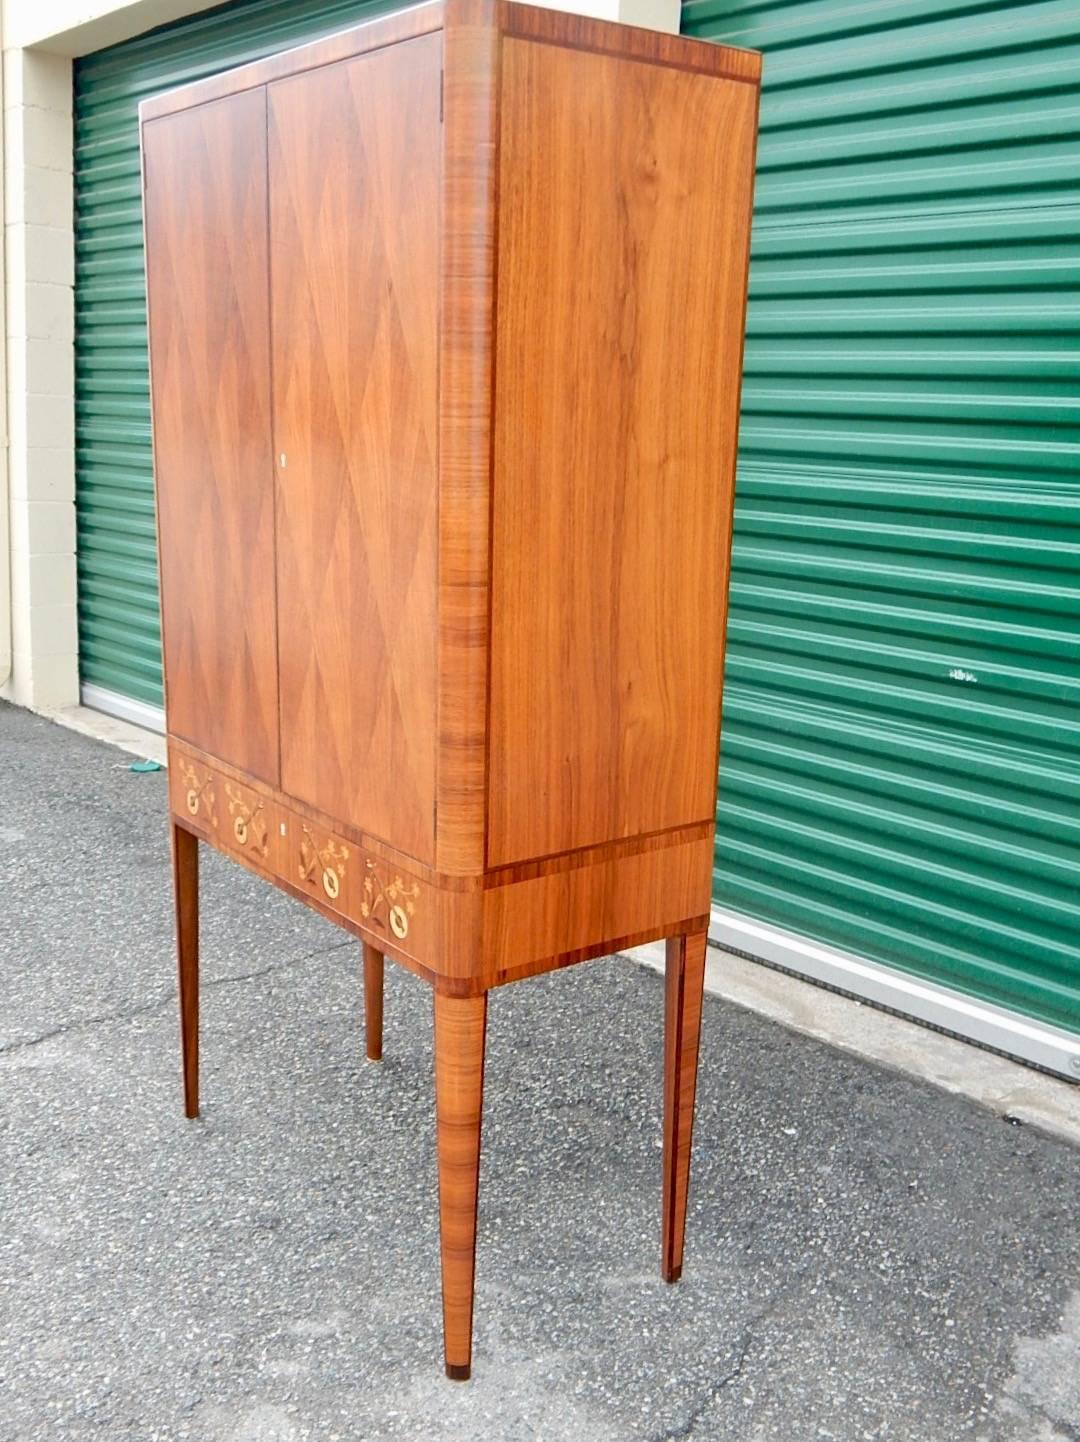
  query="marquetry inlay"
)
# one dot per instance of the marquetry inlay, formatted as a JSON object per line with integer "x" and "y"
{"x": 249, "y": 825}
{"x": 392, "y": 902}
{"x": 326, "y": 863}
{"x": 199, "y": 797}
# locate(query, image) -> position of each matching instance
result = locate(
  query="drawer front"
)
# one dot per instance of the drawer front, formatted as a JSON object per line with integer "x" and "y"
{"x": 357, "y": 884}
{"x": 314, "y": 859}
{"x": 231, "y": 815}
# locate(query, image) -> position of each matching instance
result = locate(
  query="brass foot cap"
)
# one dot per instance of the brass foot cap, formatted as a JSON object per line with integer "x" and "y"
{"x": 673, "y": 1275}
{"x": 458, "y": 1373}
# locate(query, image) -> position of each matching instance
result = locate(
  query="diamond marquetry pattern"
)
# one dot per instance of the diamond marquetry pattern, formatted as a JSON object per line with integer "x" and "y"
{"x": 207, "y": 274}
{"x": 355, "y": 405}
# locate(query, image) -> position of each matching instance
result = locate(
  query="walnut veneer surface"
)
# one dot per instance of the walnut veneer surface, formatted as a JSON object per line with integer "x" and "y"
{"x": 446, "y": 319}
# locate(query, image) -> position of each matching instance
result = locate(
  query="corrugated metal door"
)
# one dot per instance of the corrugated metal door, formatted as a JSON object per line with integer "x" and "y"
{"x": 901, "y": 764}
{"x": 900, "y": 774}
{"x": 119, "y": 636}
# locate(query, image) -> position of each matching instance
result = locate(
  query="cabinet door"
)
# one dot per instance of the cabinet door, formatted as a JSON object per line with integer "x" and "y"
{"x": 354, "y": 219}
{"x": 207, "y": 278}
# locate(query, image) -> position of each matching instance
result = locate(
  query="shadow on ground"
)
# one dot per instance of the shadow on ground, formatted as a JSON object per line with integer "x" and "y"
{"x": 867, "y": 1258}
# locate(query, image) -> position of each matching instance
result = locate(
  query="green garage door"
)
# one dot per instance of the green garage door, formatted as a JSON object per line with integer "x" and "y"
{"x": 901, "y": 763}
{"x": 119, "y": 637}
{"x": 900, "y": 773}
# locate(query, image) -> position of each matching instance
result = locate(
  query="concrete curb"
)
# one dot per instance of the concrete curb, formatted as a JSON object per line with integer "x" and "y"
{"x": 1012, "y": 1090}
{"x": 99, "y": 727}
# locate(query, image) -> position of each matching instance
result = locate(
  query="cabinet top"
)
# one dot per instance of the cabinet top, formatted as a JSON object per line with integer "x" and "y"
{"x": 506, "y": 17}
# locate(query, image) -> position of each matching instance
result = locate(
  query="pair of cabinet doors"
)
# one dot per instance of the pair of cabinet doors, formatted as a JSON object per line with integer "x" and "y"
{"x": 294, "y": 356}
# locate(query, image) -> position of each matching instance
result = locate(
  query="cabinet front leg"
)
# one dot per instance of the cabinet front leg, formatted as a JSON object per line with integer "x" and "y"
{"x": 373, "y": 1000}
{"x": 185, "y": 862}
{"x": 685, "y": 981}
{"x": 460, "y": 1026}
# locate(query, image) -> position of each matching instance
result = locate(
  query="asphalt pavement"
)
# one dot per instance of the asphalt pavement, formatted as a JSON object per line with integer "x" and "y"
{"x": 867, "y": 1257}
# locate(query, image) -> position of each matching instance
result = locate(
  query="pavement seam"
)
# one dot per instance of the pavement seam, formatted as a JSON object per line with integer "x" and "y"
{"x": 685, "y": 1431}
{"x": 168, "y": 999}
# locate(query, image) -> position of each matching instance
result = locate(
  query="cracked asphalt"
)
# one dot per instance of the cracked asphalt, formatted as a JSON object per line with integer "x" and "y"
{"x": 867, "y": 1258}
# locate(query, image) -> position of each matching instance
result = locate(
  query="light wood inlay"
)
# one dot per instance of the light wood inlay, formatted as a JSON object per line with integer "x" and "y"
{"x": 248, "y": 821}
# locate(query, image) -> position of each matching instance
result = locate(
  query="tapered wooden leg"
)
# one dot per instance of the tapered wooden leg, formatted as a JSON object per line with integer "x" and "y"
{"x": 685, "y": 981}
{"x": 460, "y": 1025}
{"x": 185, "y": 859}
{"x": 373, "y": 1001}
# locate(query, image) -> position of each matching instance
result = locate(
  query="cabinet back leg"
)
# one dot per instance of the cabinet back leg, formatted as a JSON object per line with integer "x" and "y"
{"x": 373, "y": 1000}
{"x": 460, "y": 1027}
{"x": 185, "y": 861}
{"x": 684, "y": 986}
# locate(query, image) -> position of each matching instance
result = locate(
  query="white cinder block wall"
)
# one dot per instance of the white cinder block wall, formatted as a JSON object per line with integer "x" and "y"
{"x": 39, "y": 332}
{"x": 38, "y": 633}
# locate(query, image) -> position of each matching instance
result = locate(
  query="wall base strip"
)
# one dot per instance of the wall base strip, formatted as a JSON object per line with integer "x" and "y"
{"x": 139, "y": 713}
{"x": 1035, "y": 1042}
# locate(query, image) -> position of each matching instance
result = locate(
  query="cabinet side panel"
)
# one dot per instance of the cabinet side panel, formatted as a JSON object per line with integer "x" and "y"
{"x": 354, "y": 205}
{"x": 624, "y": 212}
{"x": 206, "y": 263}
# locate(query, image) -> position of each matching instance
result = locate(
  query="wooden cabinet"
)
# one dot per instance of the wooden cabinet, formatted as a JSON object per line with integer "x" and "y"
{"x": 446, "y": 319}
